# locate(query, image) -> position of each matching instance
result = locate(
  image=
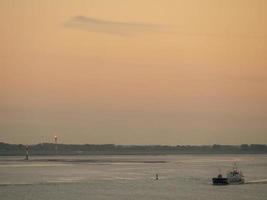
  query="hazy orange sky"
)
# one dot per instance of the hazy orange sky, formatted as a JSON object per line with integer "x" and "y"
{"x": 133, "y": 72}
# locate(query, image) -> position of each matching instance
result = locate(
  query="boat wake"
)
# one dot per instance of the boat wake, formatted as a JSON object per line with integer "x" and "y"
{"x": 261, "y": 181}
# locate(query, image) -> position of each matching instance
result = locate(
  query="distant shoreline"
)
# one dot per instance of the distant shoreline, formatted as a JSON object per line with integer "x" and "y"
{"x": 49, "y": 149}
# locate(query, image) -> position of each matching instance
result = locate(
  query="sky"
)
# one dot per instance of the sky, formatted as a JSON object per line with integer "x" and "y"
{"x": 133, "y": 72}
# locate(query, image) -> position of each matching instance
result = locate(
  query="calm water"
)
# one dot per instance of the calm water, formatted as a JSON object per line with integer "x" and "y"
{"x": 130, "y": 177}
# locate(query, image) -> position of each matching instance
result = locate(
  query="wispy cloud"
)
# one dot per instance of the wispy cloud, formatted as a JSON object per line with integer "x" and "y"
{"x": 110, "y": 27}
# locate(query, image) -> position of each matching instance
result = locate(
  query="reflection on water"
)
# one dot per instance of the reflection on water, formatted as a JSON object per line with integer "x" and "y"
{"x": 130, "y": 177}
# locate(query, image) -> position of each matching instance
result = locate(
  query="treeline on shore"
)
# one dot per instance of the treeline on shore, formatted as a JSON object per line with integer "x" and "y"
{"x": 112, "y": 149}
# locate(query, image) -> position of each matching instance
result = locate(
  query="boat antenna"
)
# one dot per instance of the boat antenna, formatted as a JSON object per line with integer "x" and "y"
{"x": 234, "y": 166}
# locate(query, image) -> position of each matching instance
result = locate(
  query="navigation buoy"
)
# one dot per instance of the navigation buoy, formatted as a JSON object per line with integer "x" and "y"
{"x": 157, "y": 177}
{"x": 27, "y": 153}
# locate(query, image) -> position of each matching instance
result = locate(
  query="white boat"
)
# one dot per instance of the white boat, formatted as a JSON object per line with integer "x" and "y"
{"x": 235, "y": 176}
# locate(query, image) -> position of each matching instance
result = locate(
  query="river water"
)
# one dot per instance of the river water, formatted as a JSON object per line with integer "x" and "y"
{"x": 130, "y": 177}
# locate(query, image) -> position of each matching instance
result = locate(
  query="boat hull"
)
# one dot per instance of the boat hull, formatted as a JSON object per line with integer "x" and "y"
{"x": 234, "y": 181}
{"x": 220, "y": 181}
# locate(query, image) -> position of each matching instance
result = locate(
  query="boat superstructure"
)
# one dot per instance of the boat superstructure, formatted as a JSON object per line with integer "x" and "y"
{"x": 235, "y": 176}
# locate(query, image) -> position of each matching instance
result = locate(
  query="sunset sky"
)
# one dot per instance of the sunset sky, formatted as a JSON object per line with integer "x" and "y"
{"x": 133, "y": 72}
